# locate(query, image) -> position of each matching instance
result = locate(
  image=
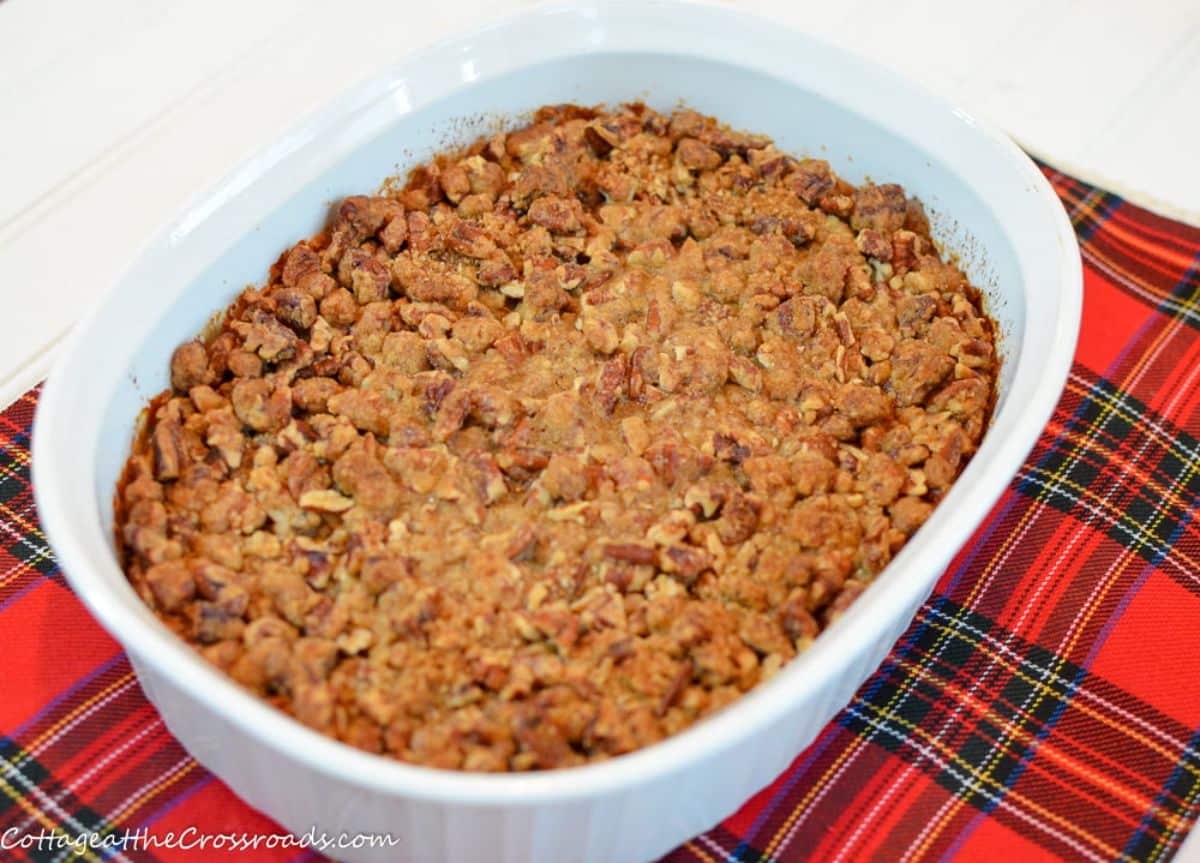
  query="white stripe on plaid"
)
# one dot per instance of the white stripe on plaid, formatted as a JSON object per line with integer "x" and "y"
{"x": 1186, "y": 309}
{"x": 1014, "y": 541}
{"x": 76, "y": 782}
{"x": 28, "y": 754}
{"x": 51, "y": 807}
{"x": 1050, "y": 675}
{"x": 1001, "y": 801}
{"x": 861, "y": 745}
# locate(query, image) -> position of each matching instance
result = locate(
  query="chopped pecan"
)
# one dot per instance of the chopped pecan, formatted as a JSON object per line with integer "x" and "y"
{"x": 811, "y": 180}
{"x": 365, "y": 275}
{"x": 917, "y": 369}
{"x": 365, "y": 215}
{"x": 261, "y": 406}
{"x": 601, "y": 139}
{"x": 632, "y": 552}
{"x": 469, "y": 239}
{"x": 455, "y": 183}
{"x": 299, "y": 262}
{"x": 295, "y": 307}
{"x": 170, "y": 452}
{"x": 325, "y": 500}
{"x": 874, "y": 244}
{"x": 171, "y": 583}
{"x": 612, "y": 382}
{"x": 363, "y": 477}
{"x": 879, "y": 208}
{"x": 495, "y": 273}
{"x": 312, "y": 394}
{"x": 738, "y": 521}
{"x": 684, "y": 562}
{"x": 696, "y": 155}
{"x": 189, "y": 366}
{"x": 557, "y": 449}
{"x": 555, "y": 214}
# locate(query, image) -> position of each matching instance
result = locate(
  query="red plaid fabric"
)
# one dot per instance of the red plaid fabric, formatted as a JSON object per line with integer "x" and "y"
{"x": 1043, "y": 704}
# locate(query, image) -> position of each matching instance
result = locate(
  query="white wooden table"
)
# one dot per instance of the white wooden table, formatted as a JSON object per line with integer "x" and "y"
{"x": 114, "y": 113}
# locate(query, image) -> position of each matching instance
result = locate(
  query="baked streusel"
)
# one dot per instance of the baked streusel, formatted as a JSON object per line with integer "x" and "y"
{"x": 569, "y": 442}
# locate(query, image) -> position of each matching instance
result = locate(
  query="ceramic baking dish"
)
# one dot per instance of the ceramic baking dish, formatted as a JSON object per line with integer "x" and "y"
{"x": 988, "y": 203}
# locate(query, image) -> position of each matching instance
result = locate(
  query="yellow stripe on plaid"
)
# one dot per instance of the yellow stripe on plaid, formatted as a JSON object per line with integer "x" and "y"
{"x": 23, "y": 568}
{"x": 1086, "y": 209}
{"x": 27, "y": 527}
{"x": 844, "y": 758}
{"x": 1100, "y": 507}
{"x": 69, "y": 718}
{"x": 1178, "y": 308}
{"x": 1176, "y": 823}
{"x": 18, "y": 452}
{"x": 1010, "y": 540}
{"x": 1179, "y": 826}
{"x": 1162, "y": 841}
{"x": 1115, "y": 400}
{"x": 693, "y": 845}
{"x": 1173, "y": 821}
{"x": 1040, "y": 692}
{"x": 1096, "y": 598}
{"x": 1095, "y": 601}
{"x": 41, "y": 816}
{"x": 165, "y": 781}
{"x": 1085, "y": 212}
{"x": 1017, "y": 670}
{"x": 1016, "y": 734}
{"x": 27, "y": 753}
{"x": 983, "y": 781}
{"x": 1146, "y": 478}
{"x": 1111, "y": 404}
{"x": 1000, "y": 748}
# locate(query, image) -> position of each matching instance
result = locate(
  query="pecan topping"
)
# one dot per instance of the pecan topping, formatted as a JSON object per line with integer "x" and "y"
{"x": 552, "y": 452}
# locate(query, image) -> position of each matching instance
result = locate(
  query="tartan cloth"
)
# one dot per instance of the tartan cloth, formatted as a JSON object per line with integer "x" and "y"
{"x": 1043, "y": 704}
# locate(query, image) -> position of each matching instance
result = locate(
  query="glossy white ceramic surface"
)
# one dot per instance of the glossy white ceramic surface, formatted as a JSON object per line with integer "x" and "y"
{"x": 988, "y": 203}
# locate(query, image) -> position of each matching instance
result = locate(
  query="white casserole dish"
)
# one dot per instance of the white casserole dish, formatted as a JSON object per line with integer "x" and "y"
{"x": 988, "y": 202}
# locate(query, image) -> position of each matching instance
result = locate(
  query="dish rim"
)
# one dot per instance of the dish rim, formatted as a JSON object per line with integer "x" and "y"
{"x": 808, "y": 674}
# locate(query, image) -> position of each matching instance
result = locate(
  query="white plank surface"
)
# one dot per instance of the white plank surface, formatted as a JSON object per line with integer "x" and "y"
{"x": 115, "y": 113}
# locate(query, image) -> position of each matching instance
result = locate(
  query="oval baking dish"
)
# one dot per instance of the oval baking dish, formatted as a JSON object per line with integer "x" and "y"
{"x": 987, "y": 202}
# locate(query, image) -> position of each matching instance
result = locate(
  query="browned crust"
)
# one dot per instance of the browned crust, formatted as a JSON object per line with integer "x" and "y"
{"x": 563, "y": 444}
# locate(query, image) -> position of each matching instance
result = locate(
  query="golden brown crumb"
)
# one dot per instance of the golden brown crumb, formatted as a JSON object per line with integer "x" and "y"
{"x": 568, "y": 443}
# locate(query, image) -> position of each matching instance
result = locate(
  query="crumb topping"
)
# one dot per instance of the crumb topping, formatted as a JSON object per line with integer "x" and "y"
{"x": 566, "y": 444}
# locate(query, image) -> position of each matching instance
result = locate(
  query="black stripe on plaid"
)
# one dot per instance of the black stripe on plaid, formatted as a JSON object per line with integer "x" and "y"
{"x": 947, "y": 642}
{"x": 1028, "y": 692}
{"x": 742, "y": 851}
{"x": 16, "y": 497}
{"x": 1087, "y": 206}
{"x": 1108, "y": 433}
{"x": 1089, "y": 210}
{"x": 1184, "y": 300}
{"x": 20, "y": 775}
{"x": 1155, "y": 839}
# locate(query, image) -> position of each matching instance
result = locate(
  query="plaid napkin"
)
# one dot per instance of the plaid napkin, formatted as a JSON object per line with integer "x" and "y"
{"x": 1045, "y": 703}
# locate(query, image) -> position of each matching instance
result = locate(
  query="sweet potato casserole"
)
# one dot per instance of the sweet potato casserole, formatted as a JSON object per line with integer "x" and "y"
{"x": 566, "y": 443}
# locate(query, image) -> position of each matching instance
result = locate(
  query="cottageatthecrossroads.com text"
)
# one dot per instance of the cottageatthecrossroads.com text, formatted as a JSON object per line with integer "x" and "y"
{"x": 187, "y": 839}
